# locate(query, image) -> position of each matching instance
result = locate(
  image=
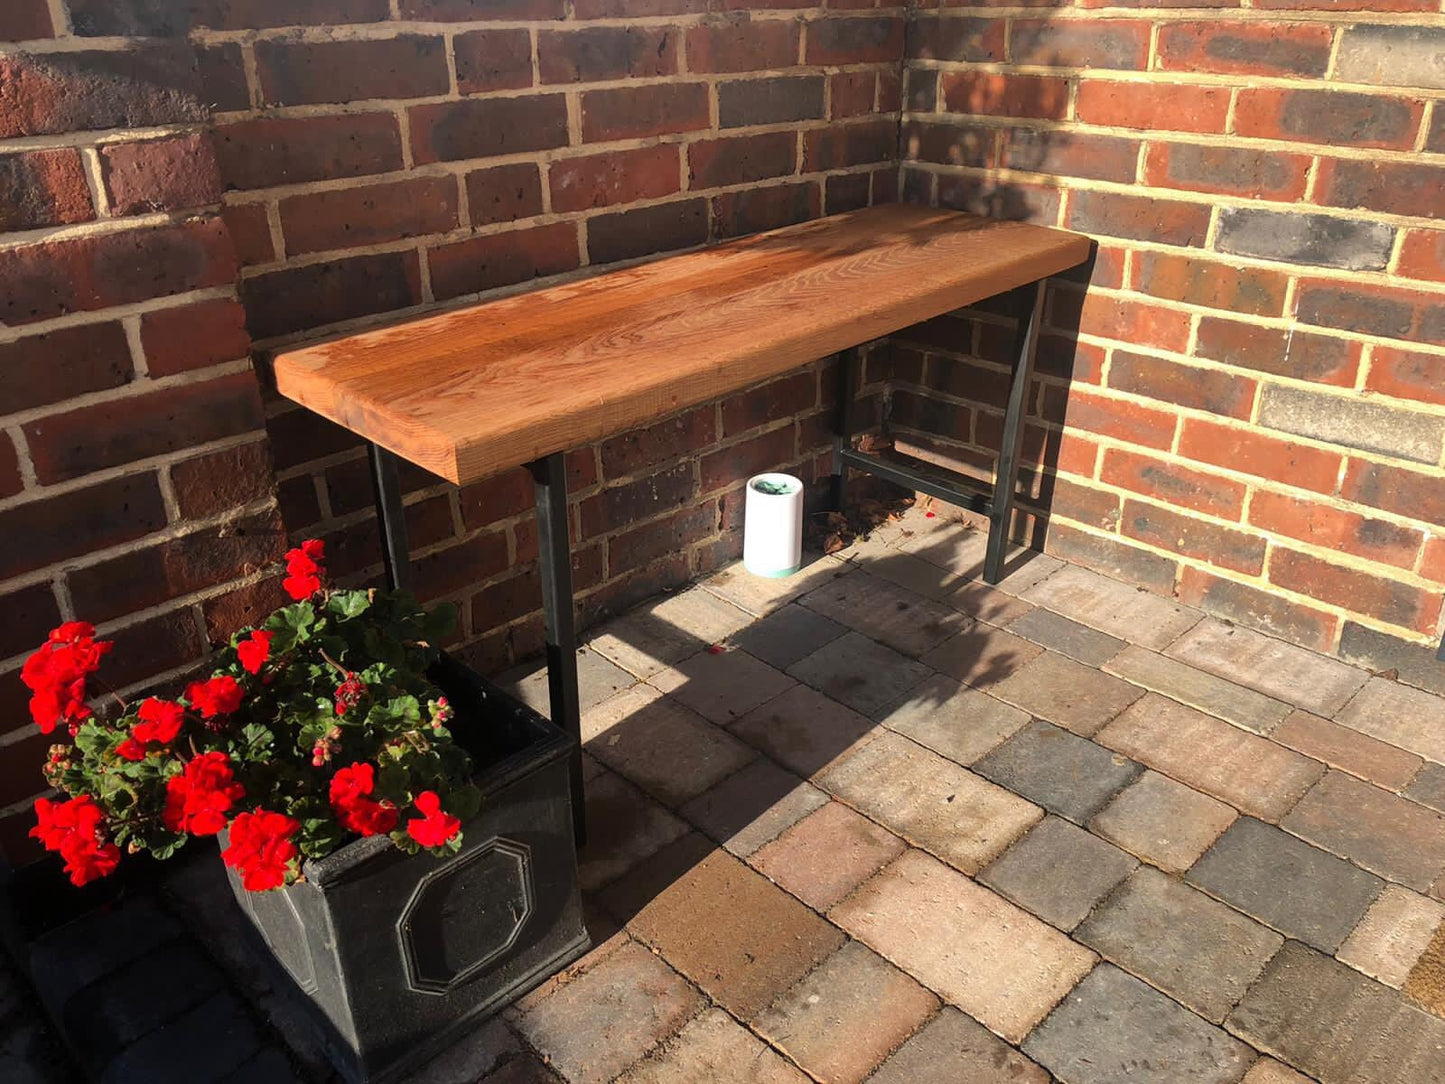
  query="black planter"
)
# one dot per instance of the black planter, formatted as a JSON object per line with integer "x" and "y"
{"x": 396, "y": 954}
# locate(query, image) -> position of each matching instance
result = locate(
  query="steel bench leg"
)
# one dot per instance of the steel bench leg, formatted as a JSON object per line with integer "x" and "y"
{"x": 843, "y": 422}
{"x": 391, "y": 518}
{"x": 1005, "y": 484}
{"x": 554, "y": 560}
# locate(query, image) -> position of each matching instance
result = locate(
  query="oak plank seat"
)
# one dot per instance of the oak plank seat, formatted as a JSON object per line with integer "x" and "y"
{"x": 472, "y": 392}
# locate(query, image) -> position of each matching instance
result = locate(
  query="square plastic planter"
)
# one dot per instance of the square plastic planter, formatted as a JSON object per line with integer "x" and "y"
{"x": 394, "y": 955}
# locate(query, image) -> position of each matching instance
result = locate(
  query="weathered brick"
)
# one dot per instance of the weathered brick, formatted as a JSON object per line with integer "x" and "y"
{"x": 1341, "y": 747}
{"x": 493, "y": 60}
{"x": 1394, "y": 489}
{"x": 1353, "y": 423}
{"x": 1198, "y": 490}
{"x": 1322, "y": 240}
{"x": 268, "y": 151}
{"x": 639, "y": 112}
{"x": 187, "y": 337}
{"x": 1104, "y": 158}
{"x": 161, "y": 174}
{"x": 1081, "y": 43}
{"x": 223, "y": 77}
{"x": 1256, "y": 453}
{"x": 1250, "y": 290}
{"x": 51, "y": 529}
{"x": 1414, "y": 662}
{"x": 1121, "y": 419}
{"x": 1330, "y": 117}
{"x": 1388, "y": 600}
{"x": 1233, "y": 48}
{"x": 26, "y": 20}
{"x": 1113, "y": 556}
{"x": 780, "y": 100}
{"x": 742, "y": 47}
{"x": 850, "y": 94}
{"x": 43, "y": 369}
{"x": 854, "y": 41}
{"x": 1140, "y": 218}
{"x": 1151, "y": 106}
{"x": 1230, "y": 171}
{"x": 841, "y": 146}
{"x": 485, "y": 127}
{"x": 374, "y": 214}
{"x": 606, "y": 52}
{"x": 11, "y": 481}
{"x": 501, "y": 259}
{"x": 1290, "y": 352}
{"x": 952, "y": 37}
{"x": 1407, "y": 374}
{"x": 1374, "y": 310}
{"x": 1401, "y": 56}
{"x": 741, "y": 159}
{"x": 307, "y": 73}
{"x": 150, "y": 84}
{"x": 480, "y": 10}
{"x": 603, "y": 180}
{"x": 1222, "y": 546}
{"x": 28, "y": 610}
{"x": 95, "y": 272}
{"x": 43, "y": 188}
{"x": 504, "y": 193}
{"x": 299, "y": 298}
{"x": 1334, "y": 529}
{"x": 1183, "y": 385}
{"x": 640, "y": 232}
{"x": 947, "y": 143}
{"x": 1422, "y": 255}
{"x": 148, "y": 18}
{"x": 1253, "y": 608}
{"x": 991, "y": 95}
{"x": 1393, "y": 187}
{"x": 217, "y": 481}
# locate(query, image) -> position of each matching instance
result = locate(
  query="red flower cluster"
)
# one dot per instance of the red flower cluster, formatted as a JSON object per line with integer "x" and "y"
{"x": 434, "y": 827}
{"x": 160, "y": 721}
{"x": 198, "y": 799}
{"x": 304, "y": 570}
{"x": 355, "y": 808}
{"x": 349, "y": 693}
{"x": 73, "y": 828}
{"x": 55, "y": 675}
{"x": 254, "y": 651}
{"x": 261, "y": 849}
{"x": 217, "y": 696}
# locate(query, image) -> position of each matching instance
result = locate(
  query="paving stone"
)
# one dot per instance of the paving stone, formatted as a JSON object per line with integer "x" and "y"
{"x": 1300, "y": 890}
{"x": 1381, "y": 831}
{"x": 788, "y": 635}
{"x": 1199, "y": 951}
{"x": 827, "y": 854}
{"x": 702, "y": 614}
{"x": 721, "y": 686}
{"x": 973, "y": 948}
{"x": 953, "y": 720}
{"x": 746, "y": 810}
{"x": 713, "y": 1046}
{"x": 930, "y": 801}
{"x": 843, "y": 1019}
{"x": 1400, "y": 715}
{"x": 1058, "y": 633}
{"x": 881, "y": 610}
{"x": 1058, "y": 871}
{"x": 1359, "y": 754}
{"x": 761, "y": 595}
{"x": 1062, "y": 772}
{"x": 203, "y": 1043}
{"x": 951, "y": 1047}
{"x": 605, "y": 1018}
{"x": 1210, "y": 694}
{"x": 597, "y": 679}
{"x": 1064, "y": 691}
{"x": 1251, "y": 773}
{"x": 1337, "y": 1025}
{"x": 1425, "y": 985}
{"x": 906, "y": 570}
{"x": 1379, "y": 651}
{"x": 1429, "y": 787}
{"x": 1113, "y": 1027}
{"x": 739, "y": 937}
{"x": 643, "y": 641}
{"x": 982, "y": 655}
{"x": 1164, "y": 822}
{"x": 1283, "y": 671}
{"x": 74, "y": 955}
{"x": 662, "y": 746}
{"x": 960, "y": 549}
{"x": 804, "y": 730}
{"x": 983, "y": 602}
{"x": 1269, "y": 1071}
{"x": 1393, "y": 934}
{"x": 1113, "y": 607}
{"x": 860, "y": 672}
{"x": 623, "y": 827}
{"x": 473, "y": 1056}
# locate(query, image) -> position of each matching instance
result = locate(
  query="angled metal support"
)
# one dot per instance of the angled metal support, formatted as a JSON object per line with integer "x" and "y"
{"x": 554, "y": 565}
{"x": 391, "y": 518}
{"x": 1005, "y": 486}
{"x": 843, "y": 424}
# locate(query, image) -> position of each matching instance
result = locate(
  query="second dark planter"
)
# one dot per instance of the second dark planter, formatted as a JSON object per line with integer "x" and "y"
{"x": 394, "y": 955}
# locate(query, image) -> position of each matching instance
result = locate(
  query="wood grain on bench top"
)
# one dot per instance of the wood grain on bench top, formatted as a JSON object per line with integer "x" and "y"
{"x": 475, "y": 391}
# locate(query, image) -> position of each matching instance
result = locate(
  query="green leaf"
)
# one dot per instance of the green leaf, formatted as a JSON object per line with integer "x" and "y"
{"x": 290, "y": 626}
{"x": 256, "y": 740}
{"x": 348, "y": 604}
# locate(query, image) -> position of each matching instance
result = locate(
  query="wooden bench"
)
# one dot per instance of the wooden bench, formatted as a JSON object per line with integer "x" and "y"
{"x": 525, "y": 379}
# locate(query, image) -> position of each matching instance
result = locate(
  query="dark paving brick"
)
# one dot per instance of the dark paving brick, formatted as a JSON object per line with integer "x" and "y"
{"x": 1062, "y": 772}
{"x": 861, "y": 673}
{"x": 790, "y": 634}
{"x": 1058, "y": 871}
{"x": 1114, "y": 1028}
{"x": 206, "y": 1043}
{"x": 1298, "y": 889}
{"x": 953, "y": 720}
{"x": 1194, "y": 948}
{"x": 1164, "y": 822}
{"x": 952, "y": 1047}
{"x": 1337, "y": 1025}
{"x": 76, "y": 954}
{"x": 1428, "y": 787}
{"x": 885, "y": 612}
{"x": 1067, "y": 637}
{"x": 803, "y": 729}
{"x": 1064, "y": 691}
{"x": 748, "y": 809}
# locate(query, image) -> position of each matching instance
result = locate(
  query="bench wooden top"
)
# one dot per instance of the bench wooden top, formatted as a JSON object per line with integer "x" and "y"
{"x": 475, "y": 391}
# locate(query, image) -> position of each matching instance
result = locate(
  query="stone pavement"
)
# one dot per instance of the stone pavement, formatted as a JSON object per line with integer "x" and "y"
{"x": 879, "y": 821}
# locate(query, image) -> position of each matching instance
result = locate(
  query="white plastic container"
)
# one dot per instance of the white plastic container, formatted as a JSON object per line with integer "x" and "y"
{"x": 773, "y": 525}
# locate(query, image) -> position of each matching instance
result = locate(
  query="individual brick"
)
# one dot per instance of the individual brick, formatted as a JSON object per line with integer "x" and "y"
{"x": 742, "y": 47}
{"x": 43, "y": 188}
{"x": 803, "y": 730}
{"x": 30, "y": 608}
{"x": 1400, "y": 56}
{"x": 1332, "y": 528}
{"x": 869, "y": 40}
{"x": 1407, "y": 374}
{"x": 1353, "y": 423}
{"x": 1235, "y": 48}
{"x": 952, "y": 37}
{"x": 1386, "y": 599}
{"x": 1121, "y": 419}
{"x": 722, "y": 687}
{"x": 1330, "y": 117}
{"x": 1257, "y": 609}
{"x": 981, "y": 655}
{"x": 954, "y": 1040}
{"x": 54, "y": 528}
{"x": 26, "y": 20}
{"x": 316, "y": 294}
{"x": 1373, "y": 828}
{"x": 486, "y": 127}
{"x": 1429, "y": 787}
{"x": 1197, "y": 490}
{"x": 953, "y": 720}
{"x": 842, "y": 146}
{"x": 1211, "y": 694}
{"x": 473, "y": 10}
{"x": 1392, "y": 936}
{"x": 42, "y": 369}
{"x": 741, "y": 159}
{"x": 222, "y": 70}
{"x": 218, "y": 481}
{"x": 1373, "y": 310}
{"x": 827, "y": 854}
{"x": 1114, "y": 557}
{"x": 787, "y": 636}
{"x": 624, "y": 828}
{"x": 493, "y": 59}
{"x": 189, "y": 337}
{"x": 1067, "y": 637}
{"x": 250, "y": 228}
{"x": 1393, "y": 187}
{"x": 308, "y": 73}
{"x": 1113, "y": 607}
{"x": 988, "y": 94}
{"x": 1152, "y": 107}
{"x": 851, "y": 94}
{"x": 1096, "y": 44}
{"x": 1164, "y": 822}
{"x": 1172, "y": 382}
{"x": 269, "y": 151}
{"x": 374, "y": 214}
{"x": 1240, "y": 171}
{"x": 779, "y": 100}
{"x": 1347, "y": 749}
{"x": 1320, "y": 240}
{"x": 598, "y": 53}
{"x": 504, "y": 193}
{"x": 640, "y": 232}
{"x": 892, "y": 615}
{"x": 617, "y": 177}
{"x": 639, "y": 112}
{"x": 502, "y": 259}
{"x": 1394, "y": 489}
{"x": 1099, "y": 157}
{"x": 753, "y": 210}
{"x": 1292, "y": 352}
{"x": 1070, "y": 694}
{"x": 1139, "y": 218}
{"x": 142, "y": 18}
{"x": 1058, "y": 872}
{"x": 1062, "y": 772}
{"x": 711, "y": 1046}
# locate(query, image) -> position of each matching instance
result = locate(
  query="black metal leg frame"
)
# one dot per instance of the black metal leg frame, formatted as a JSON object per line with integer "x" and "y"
{"x": 996, "y": 501}
{"x": 555, "y": 557}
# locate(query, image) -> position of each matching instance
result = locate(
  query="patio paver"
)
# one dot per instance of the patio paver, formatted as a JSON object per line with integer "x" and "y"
{"x": 1164, "y": 822}
{"x": 861, "y": 673}
{"x": 1401, "y": 715}
{"x": 1058, "y": 872}
{"x": 1394, "y": 933}
{"x": 713, "y": 1046}
{"x": 952, "y": 1047}
{"x": 1359, "y": 754}
{"x": 1199, "y": 689}
{"x": 953, "y": 720}
{"x": 907, "y": 622}
{"x": 1062, "y": 772}
{"x": 1066, "y": 692}
{"x": 982, "y": 655}
{"x": 747, "y": 809}
{"x": 828, "y": 854}
{"x": 1113, "y": 607}
{"x": 788, "y": 636}
{"x": 804, "y": 730}
{"x": 1058, "y": 633}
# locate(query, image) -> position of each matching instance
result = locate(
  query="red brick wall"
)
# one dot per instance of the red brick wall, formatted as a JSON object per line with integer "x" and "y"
{"x": 184, "y": 183}
{"x": 1253, "y": 418}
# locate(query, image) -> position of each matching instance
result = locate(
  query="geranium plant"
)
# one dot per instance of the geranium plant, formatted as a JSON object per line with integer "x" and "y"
{"x": 318, "y": 726}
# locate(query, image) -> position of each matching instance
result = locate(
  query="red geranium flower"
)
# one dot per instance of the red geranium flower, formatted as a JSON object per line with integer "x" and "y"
{"x": 74, "y": 829}
{"x": 434, "y": 827}
{"x": 198, "y": 799}
{"x": 55, "y": 675}
{"x": 303, "y": 569}
{"x": 220, "y": 695}
{"x": 261, "y": 849}
{"x": 160, "y": 721}
{"x": 254, "y": 652}
{"x": 349, "y": 693}
{"x": 355, "y": 808}
{"x": 130, "y": 749}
